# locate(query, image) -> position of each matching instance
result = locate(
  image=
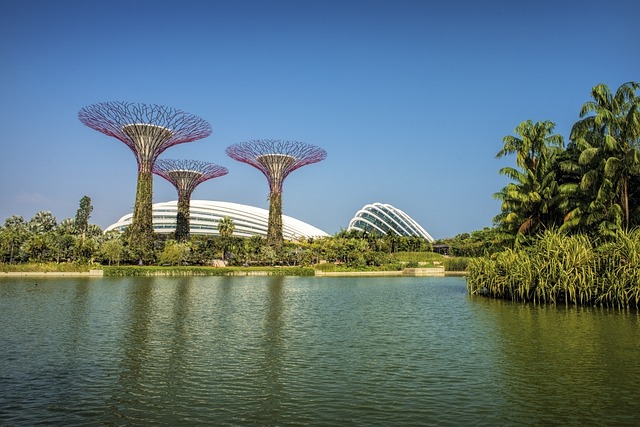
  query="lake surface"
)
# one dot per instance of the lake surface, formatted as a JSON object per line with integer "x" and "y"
{"x": 306, "y": 351}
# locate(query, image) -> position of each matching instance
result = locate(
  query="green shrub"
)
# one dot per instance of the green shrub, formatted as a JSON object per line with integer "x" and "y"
{"x": 325, "y": 266}
{"x": 204, "y": 271}
{"x": 456, "y": 264}
{"x": 428, "y": 257}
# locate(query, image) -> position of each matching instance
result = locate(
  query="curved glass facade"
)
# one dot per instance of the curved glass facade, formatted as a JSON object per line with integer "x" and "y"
{"x": 385, "y": 218}
{"x": 206, "y": 214}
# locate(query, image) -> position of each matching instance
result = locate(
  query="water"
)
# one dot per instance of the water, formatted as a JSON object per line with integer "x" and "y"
{"x": 306, "y": 351}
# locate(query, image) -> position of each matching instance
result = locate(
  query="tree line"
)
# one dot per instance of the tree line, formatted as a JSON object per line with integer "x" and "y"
{"x": 569, "y": 227}
{"x": 591, "y": 186}
{"x": 75, "y": 240}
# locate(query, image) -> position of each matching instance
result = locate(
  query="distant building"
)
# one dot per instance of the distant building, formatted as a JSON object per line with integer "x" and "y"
{"x": 206, "y": 214}
{"x": 383, "y": 218}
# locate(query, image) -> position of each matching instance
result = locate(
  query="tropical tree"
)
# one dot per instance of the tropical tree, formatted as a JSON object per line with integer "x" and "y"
{"x": 94, "y": 230}
{"x": 174, "y": 253}
{"x": 112, "y": 250}
{"x": 67, "y": 226}
{"x": 86, "y": 249}
{"x": 82, "y": 216}
{"x": 42, "y": 222}
{"x": 532, "y": 202}
{"x": 12, "y": 236}
{"x": 226, "y": 227}
{"x": 607, "y": 141}
{"x": 252, "y": 247}
{"x": 38, "y": 246}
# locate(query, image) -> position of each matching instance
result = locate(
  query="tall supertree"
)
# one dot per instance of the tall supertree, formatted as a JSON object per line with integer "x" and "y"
{"x": 147, "y": 130}
{"x": 276, "y": 159}
{"x": 186, "y": 175}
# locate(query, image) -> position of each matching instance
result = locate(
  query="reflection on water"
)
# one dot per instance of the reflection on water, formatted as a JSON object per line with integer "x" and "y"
{"x": 318, "y": 351}
{"x": 271, "y": 354}
{"x": 575, "y": 355}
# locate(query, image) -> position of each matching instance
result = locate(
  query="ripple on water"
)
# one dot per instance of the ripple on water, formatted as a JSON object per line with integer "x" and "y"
{"x": 314, "y": 351}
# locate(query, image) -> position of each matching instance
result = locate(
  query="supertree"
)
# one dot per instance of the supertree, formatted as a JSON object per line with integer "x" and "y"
{"x": 186, "y": 175}
{"x": 276, "y": 159}
{"x": 147, "y": 130}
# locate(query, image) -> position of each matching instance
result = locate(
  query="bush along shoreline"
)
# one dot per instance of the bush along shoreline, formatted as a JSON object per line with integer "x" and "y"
{"x": 205, "y": 271}
{"x": 561, "y": 269}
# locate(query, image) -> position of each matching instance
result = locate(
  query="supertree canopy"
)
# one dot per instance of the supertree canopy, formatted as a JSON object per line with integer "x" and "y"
{"x": 276, "y": 159}
{"x": 186, "y": 175}
{"x": 147, "y": 130}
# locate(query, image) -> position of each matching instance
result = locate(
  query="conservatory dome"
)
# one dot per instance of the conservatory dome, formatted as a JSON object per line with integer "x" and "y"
{"x": 384, "y": 218}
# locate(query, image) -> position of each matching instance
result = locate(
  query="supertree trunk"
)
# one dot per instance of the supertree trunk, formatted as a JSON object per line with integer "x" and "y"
{"x": 182, "y": 218}
{"x": 274, "y": 232}
{"x": 141, "y": 236}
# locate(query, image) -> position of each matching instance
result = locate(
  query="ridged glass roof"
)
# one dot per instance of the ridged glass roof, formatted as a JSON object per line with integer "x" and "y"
{"x": 384, "y": 218}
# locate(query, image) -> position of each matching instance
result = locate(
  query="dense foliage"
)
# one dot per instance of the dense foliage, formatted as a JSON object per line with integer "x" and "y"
{"x": 570, "y": 219}
{"x": 563, "y": 269}
{"x": 592, "y": 187}
{"x": 475, "y": 244}
{"x": 43, "y": 240}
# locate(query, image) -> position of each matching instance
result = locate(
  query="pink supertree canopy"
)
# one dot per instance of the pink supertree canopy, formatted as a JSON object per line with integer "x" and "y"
{"x": 276, "y": 158}
{"x": 147, "y": 129}
{"x": 186, "y": 175}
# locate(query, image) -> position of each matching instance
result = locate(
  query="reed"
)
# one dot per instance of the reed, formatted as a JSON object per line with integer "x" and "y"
{"x": 561, "y": 269}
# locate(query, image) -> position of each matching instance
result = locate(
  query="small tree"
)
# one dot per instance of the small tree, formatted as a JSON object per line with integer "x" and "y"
{"x": 173, "y": 253}
{"x": 82, "y": 216}
{"x": 38, "y": 246}
{"x": 86, "y": 250}
{"x": 113, "y": 250}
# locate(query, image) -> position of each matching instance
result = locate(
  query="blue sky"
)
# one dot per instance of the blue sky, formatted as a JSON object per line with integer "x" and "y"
{"x": 410, "y": 99}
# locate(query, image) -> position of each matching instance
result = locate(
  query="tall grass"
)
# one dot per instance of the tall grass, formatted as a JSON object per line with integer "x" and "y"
{"x": 427, "y": 257}
{"x": 562, "y": 269}
{"x": 47, "y": 267}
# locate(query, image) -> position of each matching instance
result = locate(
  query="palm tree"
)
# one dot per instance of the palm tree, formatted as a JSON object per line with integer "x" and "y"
{"x": 535, "y": 141}
{"x": 225, "y": 229}
{"x": 607, "y": 139}
{"x": 226, "y": 226}
{"x": 532, "y": 202}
